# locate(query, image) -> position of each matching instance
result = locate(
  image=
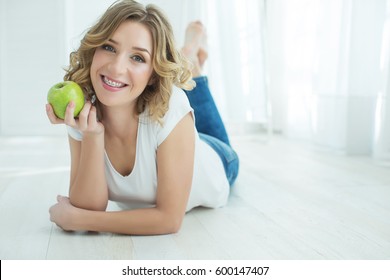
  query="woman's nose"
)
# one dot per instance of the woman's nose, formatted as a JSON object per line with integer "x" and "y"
{"x": 118, "y": 65}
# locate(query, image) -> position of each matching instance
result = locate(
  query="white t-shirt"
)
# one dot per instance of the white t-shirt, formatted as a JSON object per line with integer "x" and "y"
{"x": 210, "y": 187}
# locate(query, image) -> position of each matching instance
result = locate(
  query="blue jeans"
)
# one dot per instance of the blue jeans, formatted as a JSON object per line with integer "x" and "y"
{"x": 210, "y": 126}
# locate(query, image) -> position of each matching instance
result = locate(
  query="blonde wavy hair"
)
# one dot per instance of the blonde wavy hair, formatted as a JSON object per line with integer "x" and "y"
{"x": 170, "y": 66}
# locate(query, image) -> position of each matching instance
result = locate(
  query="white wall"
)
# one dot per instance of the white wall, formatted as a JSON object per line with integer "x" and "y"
{"x": 31, "y": 54}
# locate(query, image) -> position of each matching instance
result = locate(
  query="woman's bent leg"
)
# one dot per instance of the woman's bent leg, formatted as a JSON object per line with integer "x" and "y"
{"x": 207, "y": 118}
{"x": 208, "y": 121}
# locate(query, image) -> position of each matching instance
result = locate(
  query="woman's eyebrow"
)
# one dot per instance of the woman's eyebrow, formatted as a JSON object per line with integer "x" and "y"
{"x": 141, "y": 50}
{"x": 113, "y": 41}
{"x": 134, "y": 48}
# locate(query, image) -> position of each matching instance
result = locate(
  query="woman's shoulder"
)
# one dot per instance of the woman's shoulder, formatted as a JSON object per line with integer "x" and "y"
{"x": 178, "y": 97}
{"x": 178, "y": 101}
{"x": 179, "y": 106}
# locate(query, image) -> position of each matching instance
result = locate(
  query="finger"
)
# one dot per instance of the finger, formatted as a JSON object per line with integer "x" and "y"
{"x": 84, "y": 115}
{"x": 92, "y": 118}
{"x": 69, "y": 117}
{"x": 61, "y": 198}
{"x": 51, "y": 210}
{"x": 52, "y": 116}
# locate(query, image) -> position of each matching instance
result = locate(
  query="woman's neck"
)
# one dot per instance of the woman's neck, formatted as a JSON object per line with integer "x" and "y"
{"x": 119, "y": 122}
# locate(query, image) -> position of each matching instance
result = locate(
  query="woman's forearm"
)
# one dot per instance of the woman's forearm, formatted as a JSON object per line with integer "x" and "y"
{"x": 88, "y": 190}
{"x": 148, "y": 221}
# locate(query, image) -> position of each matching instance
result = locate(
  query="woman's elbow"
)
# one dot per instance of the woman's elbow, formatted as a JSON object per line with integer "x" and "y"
{"x": 169, "y": 223}
{"x": 174, "y": 228}
{"x": 173, "y": 225}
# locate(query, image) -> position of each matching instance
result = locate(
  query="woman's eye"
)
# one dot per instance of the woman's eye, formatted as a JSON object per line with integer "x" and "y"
{"x": 138, "y": 58}
{"x": 108, "y": 48}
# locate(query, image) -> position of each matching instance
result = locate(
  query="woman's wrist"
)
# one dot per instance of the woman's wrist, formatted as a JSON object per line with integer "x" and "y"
{"x": 94, "y": 135}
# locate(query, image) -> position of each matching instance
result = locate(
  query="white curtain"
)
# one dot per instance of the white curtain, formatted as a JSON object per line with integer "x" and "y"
{"x": 322, "y": 65}
{"x": 329, "y": 72}
{"x": 381, "y": 147}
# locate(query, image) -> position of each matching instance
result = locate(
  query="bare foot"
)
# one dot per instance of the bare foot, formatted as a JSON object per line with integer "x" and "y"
{"x": 195, "y": 48}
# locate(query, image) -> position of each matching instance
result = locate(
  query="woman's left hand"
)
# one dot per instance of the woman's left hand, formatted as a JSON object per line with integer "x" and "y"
{"x": 63, "y": 213}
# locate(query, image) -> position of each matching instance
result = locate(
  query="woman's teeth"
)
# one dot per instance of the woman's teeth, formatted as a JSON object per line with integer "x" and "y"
{"x": 112, "y": 83}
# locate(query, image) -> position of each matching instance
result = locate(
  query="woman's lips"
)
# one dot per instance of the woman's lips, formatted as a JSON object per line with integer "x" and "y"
{"x": 112, "y": 85}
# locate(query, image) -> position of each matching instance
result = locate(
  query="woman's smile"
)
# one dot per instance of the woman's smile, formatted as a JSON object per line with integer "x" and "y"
{"x": 111, "y": 84}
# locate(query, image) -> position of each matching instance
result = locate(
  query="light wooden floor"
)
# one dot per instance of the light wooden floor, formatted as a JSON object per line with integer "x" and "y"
{"x": 290, "y": 202}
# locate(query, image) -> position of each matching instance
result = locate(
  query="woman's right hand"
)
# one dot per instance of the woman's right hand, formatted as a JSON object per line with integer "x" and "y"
{"x": 86, "y": 122}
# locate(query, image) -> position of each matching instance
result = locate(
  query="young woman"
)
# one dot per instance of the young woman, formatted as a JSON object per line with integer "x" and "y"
{"x": 135, "y": 141}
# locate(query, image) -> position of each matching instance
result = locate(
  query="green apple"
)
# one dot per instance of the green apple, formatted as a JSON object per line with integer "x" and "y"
{"x": 61, "y": 94}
